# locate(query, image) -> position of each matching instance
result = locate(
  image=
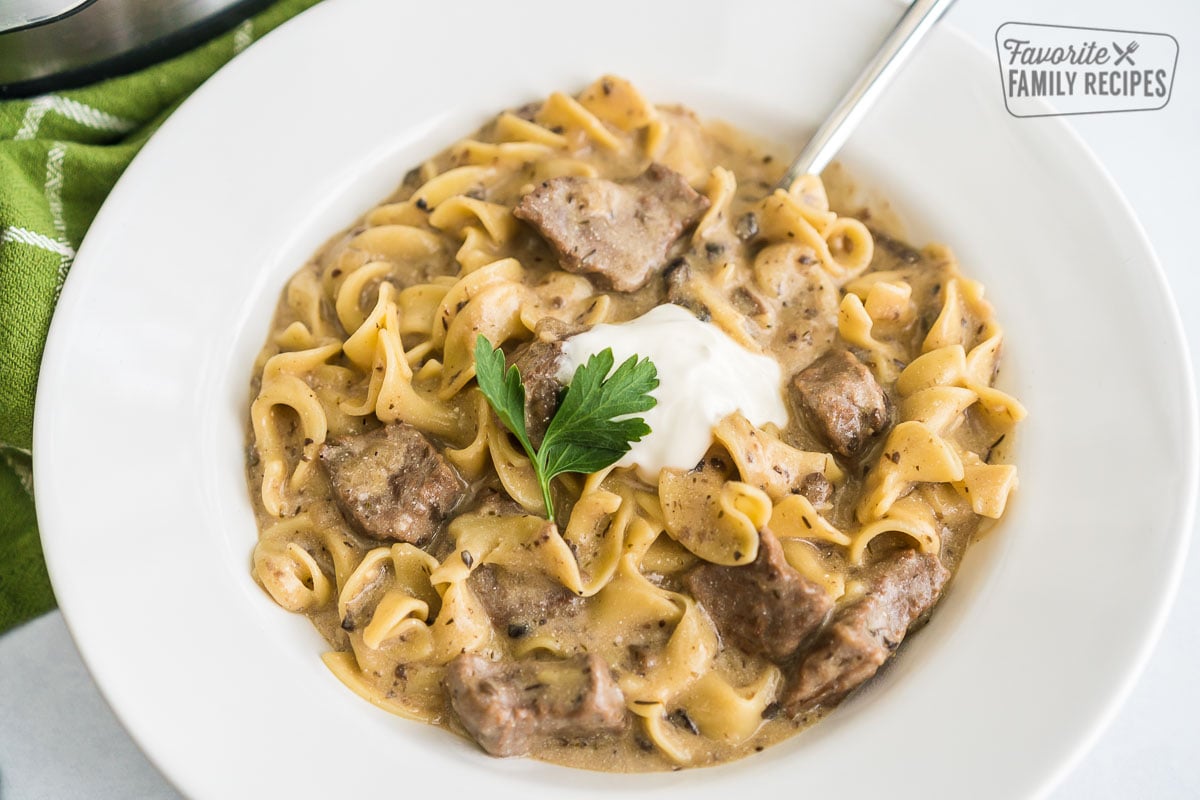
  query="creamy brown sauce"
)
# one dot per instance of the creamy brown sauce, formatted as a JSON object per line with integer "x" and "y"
{"x": 327, "y": 373}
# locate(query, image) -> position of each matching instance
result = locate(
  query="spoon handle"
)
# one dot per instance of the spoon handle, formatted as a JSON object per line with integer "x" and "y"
{"x": 917, "y": 21}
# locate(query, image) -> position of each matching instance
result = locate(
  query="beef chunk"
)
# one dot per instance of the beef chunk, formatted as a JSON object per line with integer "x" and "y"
{"x": 517, "y": 603}
{"x": 765, "y": 607}
{"x": 842, "y": 402}
{"x": 865, "y": 633}
{"x": 391, "y": 483}
{"x": 508, "y": 707}
{"x": 619, "y": 230}
{"x": 538, "y": 363}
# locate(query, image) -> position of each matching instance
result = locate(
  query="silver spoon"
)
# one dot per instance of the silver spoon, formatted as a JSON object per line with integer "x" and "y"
{"x": 917, "y": 21}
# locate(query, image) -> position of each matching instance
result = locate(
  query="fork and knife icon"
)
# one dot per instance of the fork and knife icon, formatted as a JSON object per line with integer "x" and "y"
{"x": 1126, "y": 54}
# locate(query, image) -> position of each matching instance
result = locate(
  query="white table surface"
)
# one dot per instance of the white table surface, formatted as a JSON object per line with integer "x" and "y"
{"x": 58, "y": 738}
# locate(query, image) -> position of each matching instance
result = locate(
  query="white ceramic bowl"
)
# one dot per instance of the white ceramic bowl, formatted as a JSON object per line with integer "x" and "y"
{"x": 145, "y": 518}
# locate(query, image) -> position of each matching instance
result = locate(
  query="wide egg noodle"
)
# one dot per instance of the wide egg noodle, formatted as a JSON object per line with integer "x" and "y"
{"x": 284, "y": 564}
{"x": 766, "y": 462}
{"x": 720, "y": 190}
{"x": 715, "y": 518}
{"x": 282, "y": 387}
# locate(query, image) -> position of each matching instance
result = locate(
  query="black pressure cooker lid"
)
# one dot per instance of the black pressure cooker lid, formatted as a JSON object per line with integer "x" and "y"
{"x": 47, "y": 45}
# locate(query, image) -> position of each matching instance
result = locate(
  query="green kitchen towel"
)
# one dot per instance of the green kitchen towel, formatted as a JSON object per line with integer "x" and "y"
{"x": 60, "y": 155}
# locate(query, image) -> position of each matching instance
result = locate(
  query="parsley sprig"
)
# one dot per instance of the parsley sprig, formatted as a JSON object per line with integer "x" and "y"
{"x": 593, "y": 426}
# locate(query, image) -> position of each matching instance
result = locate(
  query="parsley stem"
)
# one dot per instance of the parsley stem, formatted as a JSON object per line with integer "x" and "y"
{"x": 539, "y": 471}
{"x": 544, "y": 482}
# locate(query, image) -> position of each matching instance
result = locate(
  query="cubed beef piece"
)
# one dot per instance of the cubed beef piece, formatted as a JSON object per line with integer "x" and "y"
{"x": 538, "y": 362}
{"x": 621, "y": 231}
{"x": 765, "y": 607}
{"x": 508, "y": 707}
{"x": 842, "y": 402}
{"x": 866, "y": 632}
{"x": 391, "y": 483}
{"x": 520, "y": 603}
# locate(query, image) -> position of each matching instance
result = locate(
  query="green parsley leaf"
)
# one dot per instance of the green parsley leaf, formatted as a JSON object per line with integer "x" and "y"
{"x": 503, "y": 389}
{"x": 594, "y": 424}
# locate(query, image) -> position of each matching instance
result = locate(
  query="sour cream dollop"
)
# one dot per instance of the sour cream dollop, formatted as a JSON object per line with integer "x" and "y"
{"x": 703, "y": 374}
